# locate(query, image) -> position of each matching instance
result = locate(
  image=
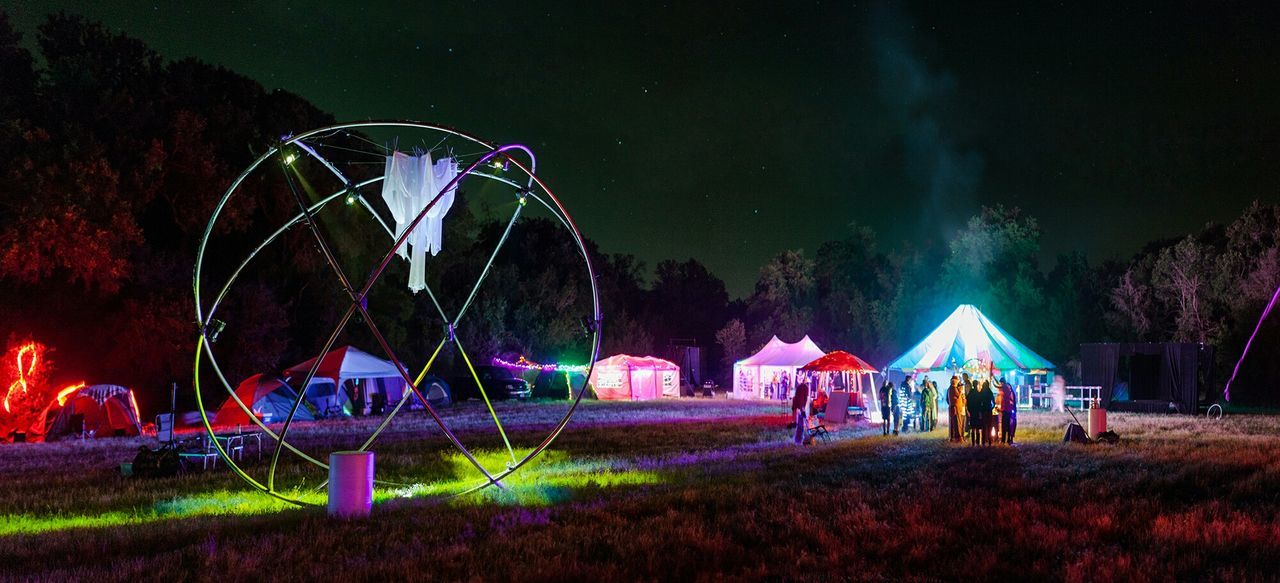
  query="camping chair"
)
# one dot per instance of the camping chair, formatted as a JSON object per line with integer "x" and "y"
{"x": 815, "y": 428}
{"x": 164, "y": 428}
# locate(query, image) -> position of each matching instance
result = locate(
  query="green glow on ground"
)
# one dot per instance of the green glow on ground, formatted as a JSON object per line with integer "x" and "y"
{"x": 551, "y": 478}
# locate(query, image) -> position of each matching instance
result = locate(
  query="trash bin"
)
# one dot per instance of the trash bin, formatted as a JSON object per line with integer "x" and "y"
{"x": 350, "y": 484}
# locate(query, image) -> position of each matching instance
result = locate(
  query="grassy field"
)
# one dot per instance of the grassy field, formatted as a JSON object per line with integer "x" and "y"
{"x": 685, "y": 490}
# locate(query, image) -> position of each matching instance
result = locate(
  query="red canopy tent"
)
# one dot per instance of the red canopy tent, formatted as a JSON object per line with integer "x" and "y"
{"x": 839, "y": 373}
{"x": 839, "y": 361}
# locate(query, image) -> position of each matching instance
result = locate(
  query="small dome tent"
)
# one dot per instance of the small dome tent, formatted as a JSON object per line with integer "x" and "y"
{"x": 99, "y": 410}
{"x": 771, "y": 372}
{"x": 269, "y": 398}
{"x": 636, "y": 378}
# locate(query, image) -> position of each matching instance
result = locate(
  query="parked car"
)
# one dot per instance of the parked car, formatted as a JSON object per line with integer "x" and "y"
{"x": 499, "y": 384}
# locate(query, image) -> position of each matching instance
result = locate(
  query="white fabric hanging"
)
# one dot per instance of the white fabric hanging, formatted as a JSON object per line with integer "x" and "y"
{"x": 410, "y": 183}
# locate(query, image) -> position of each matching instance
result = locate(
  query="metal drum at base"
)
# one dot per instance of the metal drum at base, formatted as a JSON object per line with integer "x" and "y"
{"x": 350, "y": 484}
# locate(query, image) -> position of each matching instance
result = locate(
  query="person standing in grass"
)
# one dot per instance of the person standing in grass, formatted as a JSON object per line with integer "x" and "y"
{"x": 1008, "y": 412}
{"x": 929, "y": 400}
{"x": 972, "y": 398}
{"x": 955, "y": 403}
{"x": 798, "y": 404}
{"x": 895, "y": 406}
{"x": 986, "y": 403}
{"x": 910, "y": 403}
{"x": 886, "y": 397}
{"x": 904, "y": 406}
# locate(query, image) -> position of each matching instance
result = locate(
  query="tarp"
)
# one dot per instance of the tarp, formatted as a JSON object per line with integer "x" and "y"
{"x": 269, "y": 398}
{"x": 839, "y": 361}
{"x": 99, "y": 410}
{"x": 325, "y": 391}
{"x": 770, "y": 373}
{"x": 968, "y": 335}
{"x": 624, "y": 377}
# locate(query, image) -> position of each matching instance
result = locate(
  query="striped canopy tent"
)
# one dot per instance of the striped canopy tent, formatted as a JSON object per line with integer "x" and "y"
{"x": 968, "y": 338}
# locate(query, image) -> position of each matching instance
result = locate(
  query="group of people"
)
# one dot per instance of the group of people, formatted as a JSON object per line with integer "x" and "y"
{"x": 909, "y": 407}
{"x": 975, "y": 408}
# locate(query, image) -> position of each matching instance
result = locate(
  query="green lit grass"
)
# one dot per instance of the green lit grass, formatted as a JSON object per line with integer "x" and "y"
{"x": 550, "y": 478}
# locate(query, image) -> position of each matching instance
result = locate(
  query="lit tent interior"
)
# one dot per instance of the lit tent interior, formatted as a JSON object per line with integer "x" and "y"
{"x": 969, "y": 341}
{"x": 771, "y": 372}
{"x": 637, "y": 378}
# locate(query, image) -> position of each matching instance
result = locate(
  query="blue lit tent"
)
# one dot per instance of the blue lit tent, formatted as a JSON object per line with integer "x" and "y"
{"x": 968, "y": 340}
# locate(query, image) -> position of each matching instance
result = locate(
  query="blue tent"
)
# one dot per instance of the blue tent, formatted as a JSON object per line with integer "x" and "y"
{"x": 968, "y": 339}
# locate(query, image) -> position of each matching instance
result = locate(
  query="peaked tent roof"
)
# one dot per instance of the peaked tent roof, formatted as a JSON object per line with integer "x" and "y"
{"x": 344, "y": 363}
{"x": 965, "y": 335}
{"x": 839, "y": 361}
{"x": 779, "y": 353}
{"x": 638, "y": 362}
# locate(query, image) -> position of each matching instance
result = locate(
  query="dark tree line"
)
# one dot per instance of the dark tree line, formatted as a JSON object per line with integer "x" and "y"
{"x": 112, "y": 158}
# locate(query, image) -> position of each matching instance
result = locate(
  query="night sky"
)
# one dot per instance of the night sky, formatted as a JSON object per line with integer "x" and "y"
{"x": 728, "y": 132}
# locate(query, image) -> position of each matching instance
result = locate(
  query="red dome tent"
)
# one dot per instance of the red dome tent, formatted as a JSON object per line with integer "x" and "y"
{"x": 100, "y": 411}
{"x": 269, "y": 398}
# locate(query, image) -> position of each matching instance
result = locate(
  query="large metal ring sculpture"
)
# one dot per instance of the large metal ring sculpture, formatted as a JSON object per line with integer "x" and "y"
{"x": 308, "y": 144}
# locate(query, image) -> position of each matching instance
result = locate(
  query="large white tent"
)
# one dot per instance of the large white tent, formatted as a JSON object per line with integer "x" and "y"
{"x": 771, "y": 372}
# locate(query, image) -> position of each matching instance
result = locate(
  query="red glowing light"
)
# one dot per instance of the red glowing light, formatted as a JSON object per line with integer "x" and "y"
{"x": 132, "y": 403}
{"x": 20, "y": 385}
{"x": 66, "y": 392}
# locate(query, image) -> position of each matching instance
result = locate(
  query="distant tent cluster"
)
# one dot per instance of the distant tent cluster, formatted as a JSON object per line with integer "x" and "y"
{"x": 966, "y": 341}
{"x": 347, "y": 381}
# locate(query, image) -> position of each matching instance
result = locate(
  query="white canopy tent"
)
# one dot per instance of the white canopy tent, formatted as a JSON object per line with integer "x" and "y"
{"x": 325, "y": 392}
{"x": 771, "y": 372}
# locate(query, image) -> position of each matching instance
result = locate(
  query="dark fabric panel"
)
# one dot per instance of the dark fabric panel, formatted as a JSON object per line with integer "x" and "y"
{"x": 1170, "y": 372}
{"x": 1098, "y": 367}
{"x": 1181, "y": 366}
{"x": 1189, "y": 395}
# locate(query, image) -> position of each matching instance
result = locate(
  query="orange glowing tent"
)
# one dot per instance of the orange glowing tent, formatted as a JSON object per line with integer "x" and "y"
{"x": 98, "y": 411}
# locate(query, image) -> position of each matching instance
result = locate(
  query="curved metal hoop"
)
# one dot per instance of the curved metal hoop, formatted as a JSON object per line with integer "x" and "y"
{"x": 205, "y": 319}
